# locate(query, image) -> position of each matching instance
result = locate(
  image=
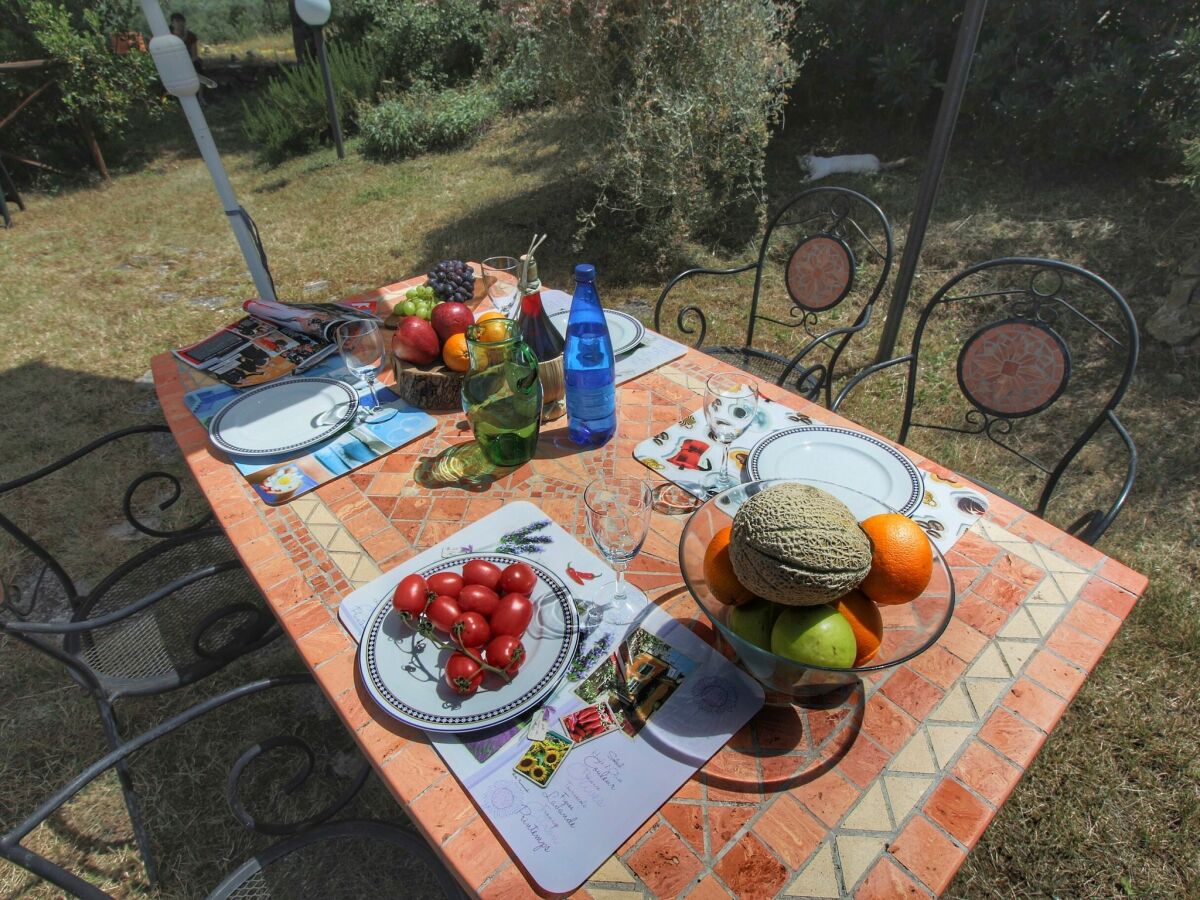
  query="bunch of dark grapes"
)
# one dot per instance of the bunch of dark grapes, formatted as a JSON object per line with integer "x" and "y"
{"x": 452, "y": 279}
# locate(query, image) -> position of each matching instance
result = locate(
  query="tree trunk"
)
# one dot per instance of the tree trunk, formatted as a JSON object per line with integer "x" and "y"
{"x": 304, "y": 42}
{"x": 97, "y": 157}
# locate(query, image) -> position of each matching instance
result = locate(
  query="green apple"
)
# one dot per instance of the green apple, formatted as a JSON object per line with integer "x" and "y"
{"x": 752, "y": 621}
{"x": 814, "y": 635}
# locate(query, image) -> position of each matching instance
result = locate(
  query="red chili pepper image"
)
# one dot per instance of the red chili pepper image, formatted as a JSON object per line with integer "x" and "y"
{"x": 578, "y": 577}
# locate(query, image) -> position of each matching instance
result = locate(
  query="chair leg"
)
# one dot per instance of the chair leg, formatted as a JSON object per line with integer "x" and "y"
{"x": 109, "y": 721}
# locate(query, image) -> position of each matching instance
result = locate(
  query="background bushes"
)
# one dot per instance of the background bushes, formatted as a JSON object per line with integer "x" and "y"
{"x": 426, "y": 119}
{"x": 1052, "y": 80}
{"x": 413, "y": 41}
{"x": 290, "y": 117}
{"x": 676, "y": 100}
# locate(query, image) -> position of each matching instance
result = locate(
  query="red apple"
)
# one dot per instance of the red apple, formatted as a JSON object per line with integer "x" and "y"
{"x": 451, "y": 318}
{"x": 415, "y": 341}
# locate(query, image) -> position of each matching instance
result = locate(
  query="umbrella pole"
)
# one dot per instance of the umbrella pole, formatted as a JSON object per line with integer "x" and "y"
{"x": 180, "y": 79}
{"x": 939, "y": 147}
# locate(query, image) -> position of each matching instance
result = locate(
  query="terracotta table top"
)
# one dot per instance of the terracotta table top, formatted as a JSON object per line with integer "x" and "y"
{"x": 882, "y": 795}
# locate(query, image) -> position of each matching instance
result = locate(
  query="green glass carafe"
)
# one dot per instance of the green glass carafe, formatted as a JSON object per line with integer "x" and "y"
{"x": 501, "y": 393}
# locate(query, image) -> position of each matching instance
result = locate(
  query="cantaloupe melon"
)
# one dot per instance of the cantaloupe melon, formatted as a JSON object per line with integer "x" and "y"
{"x": 798, "y": 545}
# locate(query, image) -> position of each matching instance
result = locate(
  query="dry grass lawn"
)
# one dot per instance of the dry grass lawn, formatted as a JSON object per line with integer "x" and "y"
{"x": 96, "y": 281}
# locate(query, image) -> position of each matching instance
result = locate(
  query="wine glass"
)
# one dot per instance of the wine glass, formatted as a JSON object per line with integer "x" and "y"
{"x": 361, "y": 344}
{"x": 618, "y": 517}
{"x": 500, "y": 282}
{"x": 730, "y": 402}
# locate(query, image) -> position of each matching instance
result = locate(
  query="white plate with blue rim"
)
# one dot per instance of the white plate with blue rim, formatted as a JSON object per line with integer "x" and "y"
{"x": 285, "y": 416}
{"x": 840, "y": 456}
{"x": 405, "y": 673}
{"x": 624, "y": 330}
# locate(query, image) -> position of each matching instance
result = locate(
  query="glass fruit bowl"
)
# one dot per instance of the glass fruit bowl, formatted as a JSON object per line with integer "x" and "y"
{"x": 908, "y": 629}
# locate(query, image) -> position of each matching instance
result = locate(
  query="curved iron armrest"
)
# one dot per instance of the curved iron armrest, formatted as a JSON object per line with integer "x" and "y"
{"x": 867, "y": 373}
{"x": 33, "y": 633}
{"x": 1090, "y": 526}
{"x": 679, "y": 319}
{"x": 826, "y": 369}
{"x": 129, "y": 491}
{"x": 361, "y": 828}
{"x": 47, "y": 558}
{"x": 10, "y": 843}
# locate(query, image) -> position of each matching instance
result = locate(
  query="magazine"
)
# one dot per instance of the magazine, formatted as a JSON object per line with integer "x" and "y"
{"x": 274, "y": 339}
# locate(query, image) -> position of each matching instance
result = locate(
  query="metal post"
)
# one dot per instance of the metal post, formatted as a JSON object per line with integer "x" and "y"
{"x": 330, "y": 101}
{"x": 180, "y": 79}
{"x": 943, "y": 131}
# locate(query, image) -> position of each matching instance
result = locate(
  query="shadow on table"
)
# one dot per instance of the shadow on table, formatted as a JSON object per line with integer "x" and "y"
{"x": 787, "y": 744}
{"x": 462, "y": 466}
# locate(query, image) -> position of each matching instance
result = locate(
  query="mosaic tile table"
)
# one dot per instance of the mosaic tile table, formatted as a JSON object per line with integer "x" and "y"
{"x": 882, "y": 796}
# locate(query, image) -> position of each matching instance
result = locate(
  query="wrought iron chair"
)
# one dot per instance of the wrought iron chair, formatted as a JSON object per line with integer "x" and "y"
{"x": 822, "y": 264}
{"x": 1041, "y": 353}
{"x": 171, "y": 615}
{"x": 264, "y": 875}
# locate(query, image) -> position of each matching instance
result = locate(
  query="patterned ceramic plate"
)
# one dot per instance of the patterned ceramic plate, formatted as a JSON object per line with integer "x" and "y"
{"x": 839, "y": 456}
{"x": 284, "y": 416}
{"x": 626, "y": 331}
{"x": 405, "y": 673}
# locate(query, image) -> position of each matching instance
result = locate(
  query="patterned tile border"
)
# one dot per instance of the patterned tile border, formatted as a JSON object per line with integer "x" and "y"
{"x": 912, "y": 777}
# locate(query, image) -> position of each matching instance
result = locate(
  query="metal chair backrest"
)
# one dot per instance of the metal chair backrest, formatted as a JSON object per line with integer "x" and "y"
{"x": 1032, "y": 354}
{"x": 822, "y": 263}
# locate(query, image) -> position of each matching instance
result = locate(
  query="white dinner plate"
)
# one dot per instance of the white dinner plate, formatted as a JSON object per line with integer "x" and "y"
{"x": 624, "y": 330}
{"x": 405, "y": 674}
{"x": 284, "y": 416}
{"x": 840, "y": 456}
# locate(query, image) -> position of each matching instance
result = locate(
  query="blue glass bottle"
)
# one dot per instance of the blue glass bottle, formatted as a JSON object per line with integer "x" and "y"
{"x": 589, "y": 366}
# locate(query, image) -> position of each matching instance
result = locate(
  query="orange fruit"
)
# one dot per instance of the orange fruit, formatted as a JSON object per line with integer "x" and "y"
{"x": 901, "y": 559}
{"x": 866, "y": 621}
{"x": 718, "y": 571}
{"x": 492, "y": 328}
{"x": 454, "y": 353}
{"x": 490, "y": 314}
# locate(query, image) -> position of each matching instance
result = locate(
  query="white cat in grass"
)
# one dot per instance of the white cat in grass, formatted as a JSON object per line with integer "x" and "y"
{"x": 855, "y": 164}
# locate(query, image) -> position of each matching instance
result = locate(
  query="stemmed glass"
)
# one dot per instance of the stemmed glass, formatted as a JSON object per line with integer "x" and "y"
{"x": 500, "y": 282}
{"x": 618, "y": 517}
{"x": 360, "y": 342}
{"x": 730, "y": 402}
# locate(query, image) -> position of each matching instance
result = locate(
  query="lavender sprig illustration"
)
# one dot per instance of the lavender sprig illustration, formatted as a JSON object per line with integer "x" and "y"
{"x": 525, "y": 541}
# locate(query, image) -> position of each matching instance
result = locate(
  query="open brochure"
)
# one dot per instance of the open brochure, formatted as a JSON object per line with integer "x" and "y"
{"x": 274, "y": 339}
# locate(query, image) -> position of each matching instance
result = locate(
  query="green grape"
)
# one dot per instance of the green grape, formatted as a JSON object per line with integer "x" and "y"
{"x": 409, "y": 308}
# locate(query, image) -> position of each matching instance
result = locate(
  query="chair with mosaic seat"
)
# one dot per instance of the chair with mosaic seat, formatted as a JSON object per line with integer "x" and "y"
{"x": 1018, "y": 365}
{"x": 822, "y": 264}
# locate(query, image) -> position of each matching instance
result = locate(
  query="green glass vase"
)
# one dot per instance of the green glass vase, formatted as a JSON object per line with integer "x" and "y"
{"x": 501, "y": 393}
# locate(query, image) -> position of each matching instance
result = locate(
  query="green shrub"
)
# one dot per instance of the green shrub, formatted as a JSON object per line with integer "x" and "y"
{"x": 679, "y": 97}
{"x": 290, "y": 118}
{"x": 227, "y": 21}
{"x": 426, "y": 119}
{"x": 1051, "y": 80}
{"x": 417, "y": 41}
{"x": 520, "y": 76}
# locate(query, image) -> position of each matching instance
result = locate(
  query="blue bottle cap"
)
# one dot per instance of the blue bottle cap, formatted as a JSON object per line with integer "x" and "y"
{"x": 585, "y": 272}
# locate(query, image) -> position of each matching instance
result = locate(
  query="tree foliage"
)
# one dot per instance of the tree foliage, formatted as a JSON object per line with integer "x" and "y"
{"x": 677, "y": 99}
{"x": 92, "y": 81}
{"x": 1054, "y": 80}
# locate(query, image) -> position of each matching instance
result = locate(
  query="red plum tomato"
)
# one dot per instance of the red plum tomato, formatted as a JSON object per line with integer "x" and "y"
{"x": 447, "y": 584}
{"x": 477, "y": 598}
{"x": 480, "y": 571}
{"x": 512, "y": 615}
{"x": 518, "y": 578}
{"x": 470, "y": 630}
{"x": 442, "y": 612}
{"x": 411, "y": 597}
{"x": 506, "y": 653}
{"x": 464, "y": 674}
